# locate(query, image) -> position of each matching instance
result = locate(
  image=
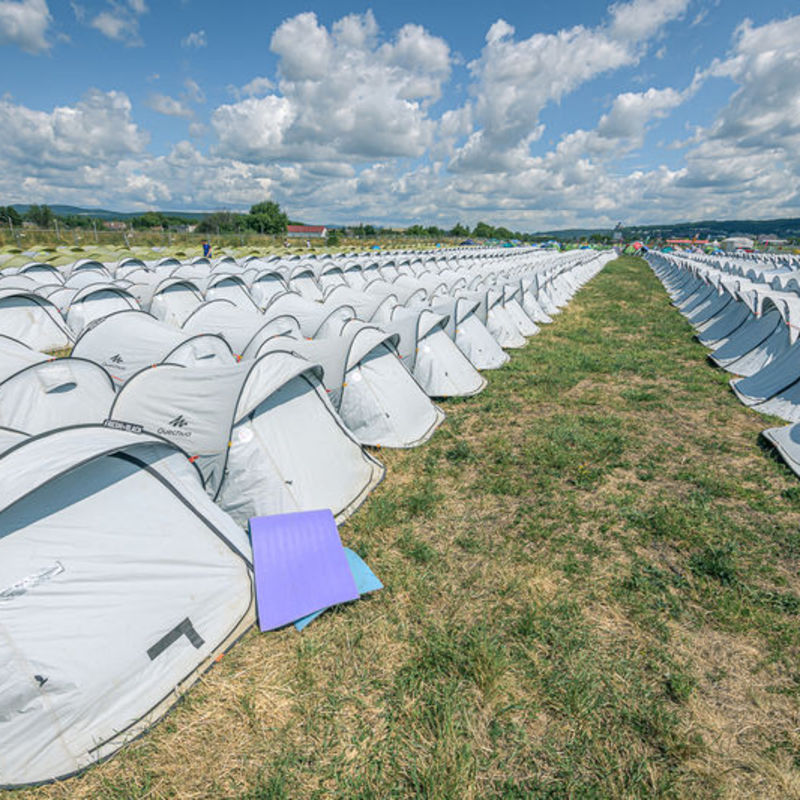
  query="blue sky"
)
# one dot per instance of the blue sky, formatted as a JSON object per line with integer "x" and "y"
{"x": 532, "y": 115}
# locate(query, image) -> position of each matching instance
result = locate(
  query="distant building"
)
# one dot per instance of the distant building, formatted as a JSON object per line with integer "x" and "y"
{"x": 737, "y": 243}
{"x": 306, "y": 231}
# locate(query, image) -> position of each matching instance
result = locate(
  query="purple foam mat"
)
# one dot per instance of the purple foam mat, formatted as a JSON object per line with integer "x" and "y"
{"x": 365, "y": 578}
{"x": 300, "y": 566}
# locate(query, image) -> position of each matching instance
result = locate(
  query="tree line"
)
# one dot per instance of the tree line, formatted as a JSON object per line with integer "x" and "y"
{"x": 266, "y": 217}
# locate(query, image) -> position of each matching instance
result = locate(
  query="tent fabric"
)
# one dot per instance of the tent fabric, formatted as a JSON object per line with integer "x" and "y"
{"x": 264, "y": 434}
{"x": 778, "y": 374}
{"x": 376, "y": 397}
{"x": 111, "y": 607}
{"x": 750, "y": 315}
{"x": 471, "y": 336}
{"x": 126, "y": 342}
{"x": 55, "y": 393}
{"x": 726, "y": 324}
{"x": 33, "y": 320}
{"x": 749, "y": 336}
{"x": 16, "y": 356}
{"x": 94, "y": 302}
{"x": 245, "y": 331}
{"x": 786, "y": 440}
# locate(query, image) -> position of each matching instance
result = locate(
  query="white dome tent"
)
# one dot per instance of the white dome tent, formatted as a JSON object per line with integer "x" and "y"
{"x": 244, "y": 331}
{"x": 378, "y": 400}
{"x": 128, "y": 341}
{"x": 54, "y": 393}
{"x": 263, "y": 432}
{"x": 112, "y": 607}
{"x": 33, "y": 320}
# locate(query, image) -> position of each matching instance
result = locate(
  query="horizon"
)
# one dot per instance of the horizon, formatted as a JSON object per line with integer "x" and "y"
{"x": 536, "y": 119}
{"x": 81, "y": 211}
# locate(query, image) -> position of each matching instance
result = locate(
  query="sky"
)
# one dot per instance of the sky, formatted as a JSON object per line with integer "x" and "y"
{"x": 530, "y": 114}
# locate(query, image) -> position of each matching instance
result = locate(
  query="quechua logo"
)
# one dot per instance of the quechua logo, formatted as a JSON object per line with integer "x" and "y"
{"x": 175, "y": 427}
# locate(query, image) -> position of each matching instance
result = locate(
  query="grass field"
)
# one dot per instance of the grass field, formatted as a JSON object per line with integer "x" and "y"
{"x": 591, "y": 591}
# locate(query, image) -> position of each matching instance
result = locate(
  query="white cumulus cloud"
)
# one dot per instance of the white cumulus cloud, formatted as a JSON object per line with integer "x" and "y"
{"x": 516, "y": 79}
{"x": 196, "y": 39}
{"x": 120, "y": 21}
{"x": 342, "y": 91}
{"x": 169, "y": 106}
{"x": 24, "y": 23}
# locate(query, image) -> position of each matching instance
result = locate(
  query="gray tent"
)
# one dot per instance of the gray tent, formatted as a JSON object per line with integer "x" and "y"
{"x": 263, "y": 433}
{"x": 55, "y": 393}
{"x": 126, "y": 342}
{"x": 170, "y": 299}
{"x": 471, "y": 336}
{"x": 377, "y": 398}
{"x": 753, "y": 334}
{"x": 429, "y": 354}
{"x": 265, "y": 282}
{"x": 725, "y": 324}
{"x": 95, "y": 301}
{"x": 764, "y": 352}
{"x": 775, "y": 388}
{"x": 512, "y": 294}
{"x": 786, "y": 441}
{"x": 315, "y": 319}
{"x": 500, "y": 322}
{"x": 110, "y": 607}
{"x": 16, "y": 356}
{"x": 244, "y": 330}
{"x": 33, "y": 320}
{"x": 230, "y": 287}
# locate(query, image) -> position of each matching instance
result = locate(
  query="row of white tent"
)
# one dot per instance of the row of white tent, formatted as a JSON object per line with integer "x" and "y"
{"x": 129, "y": 470}
{"x": 73, "y": 296}
{"x": 358, "y": 368}
{"x": 747, "y": 312}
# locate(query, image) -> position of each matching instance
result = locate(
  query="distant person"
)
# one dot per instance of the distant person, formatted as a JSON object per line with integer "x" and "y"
{"x": 206, "y": 249}
{"x": 308, "y": 243}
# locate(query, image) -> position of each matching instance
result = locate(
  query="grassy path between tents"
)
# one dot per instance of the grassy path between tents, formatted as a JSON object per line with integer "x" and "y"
{"x": 592, "y": 591}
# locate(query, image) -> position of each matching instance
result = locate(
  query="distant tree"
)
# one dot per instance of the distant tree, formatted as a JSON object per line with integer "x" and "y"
{"x": 361, "y": 230}
{"x": 267, "y": 217}
{"x": 433, "y": 231}
{"x": 483, "y": 231}
{"x": 415, "y": 230}
{"x": 459, "y": 230}
{"x": 503, "y": 233}
{"x": 150, "y": 219}
{"x": 10, "y": 214}
{"x": 333, "y": 238}
{"x": 223, "y": 222}
{"x": 41, "y": 216}
{"x": 75, "y": 221}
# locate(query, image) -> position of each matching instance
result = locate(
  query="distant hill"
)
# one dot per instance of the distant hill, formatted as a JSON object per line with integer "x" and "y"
{"x": 102, "y": 213}
{"x": 714, "y": 229}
